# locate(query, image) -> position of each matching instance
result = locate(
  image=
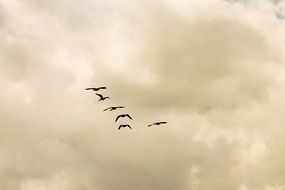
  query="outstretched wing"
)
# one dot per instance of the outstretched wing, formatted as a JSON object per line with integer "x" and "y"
{"x": 89, "y": 88}
{"x": 120, "y": 127}
{"x": 150, "y": 125}
{"x": 100, "y": 95}
{"x": 163, "y": 122}
{"x": 102, "y": 87}
{"x": 107, "y": 109}
{"x": 129, "y": 126}
{"x": 117, "y": 118}
{"x": 120, "y": 107}
{"x": 129, "y": 116}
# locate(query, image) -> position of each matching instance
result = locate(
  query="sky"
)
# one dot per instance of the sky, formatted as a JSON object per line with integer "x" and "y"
{"x": 213, "y": 69}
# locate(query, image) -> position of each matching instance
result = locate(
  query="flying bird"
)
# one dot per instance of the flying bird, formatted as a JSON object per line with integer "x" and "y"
{"x": 102, "y": 97}
{"x": 96, "y": 89}
{"x": 123, "y": 115}
{"x": 157, "y": 123}
{"x": 113, "y": 108}
{"x": 124, "y": 126}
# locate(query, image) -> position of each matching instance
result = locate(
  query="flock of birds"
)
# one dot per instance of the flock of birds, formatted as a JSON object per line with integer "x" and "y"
{"x": 112, "y": 108}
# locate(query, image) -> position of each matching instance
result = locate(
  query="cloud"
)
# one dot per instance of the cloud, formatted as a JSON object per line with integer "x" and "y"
{"x": 213, "y": 70}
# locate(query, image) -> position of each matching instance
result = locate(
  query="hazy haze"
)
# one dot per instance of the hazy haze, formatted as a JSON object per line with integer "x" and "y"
{"x": 213, "y": 69}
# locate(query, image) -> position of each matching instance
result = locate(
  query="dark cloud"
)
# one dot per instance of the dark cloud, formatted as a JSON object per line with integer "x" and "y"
{"x": 199, "y": 65}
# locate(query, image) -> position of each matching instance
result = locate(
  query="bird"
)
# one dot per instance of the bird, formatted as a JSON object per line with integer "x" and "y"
{"x": 96, "y": 89}
{"x": 102, "y": 97}
{"x": 124, "y": 125}
{"x": 113, "y": 108}
{"x": 123, "y": 115}
{"x": 157, "y": 123}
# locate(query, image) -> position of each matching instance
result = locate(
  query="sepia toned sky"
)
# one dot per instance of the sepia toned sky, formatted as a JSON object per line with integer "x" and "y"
{"x": 213, "y": 69}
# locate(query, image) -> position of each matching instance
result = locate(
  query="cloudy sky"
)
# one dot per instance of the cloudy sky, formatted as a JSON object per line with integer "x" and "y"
{"x": 213, "y": 69}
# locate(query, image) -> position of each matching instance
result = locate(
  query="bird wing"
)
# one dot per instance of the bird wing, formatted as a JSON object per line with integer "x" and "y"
{"x": 89, "y": 88}
{"x": 129, "y": 116}
{"x": 113, "y": 108}
{"x": 119, "y": 127}
{"x": 102, "y": 87}
{"x": 107, "y": 109}
{"x": 100, "y": 95}
{"x": 150, "y": 125}
{"x": 129, "y": 126}
{"x": 117, "y": 118}
{"x": 120, "y": 106}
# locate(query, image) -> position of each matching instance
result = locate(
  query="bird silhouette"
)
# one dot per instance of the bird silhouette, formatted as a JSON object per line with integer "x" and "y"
{"x": 123, "y": 115}
{"x": 157, "y": 123}
{"x": 113, "y": 108}
{"x": 102, "y": 97}
{"x": 124, "y": 126}
{"x": 96, "y": 89}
